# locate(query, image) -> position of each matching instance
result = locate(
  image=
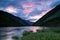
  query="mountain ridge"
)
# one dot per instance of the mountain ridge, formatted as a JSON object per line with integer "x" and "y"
{"x": 51, "y": 16}
{"x": 7, "y": 19}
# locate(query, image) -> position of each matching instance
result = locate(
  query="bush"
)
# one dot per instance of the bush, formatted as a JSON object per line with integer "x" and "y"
{"x": 15, "y": 37}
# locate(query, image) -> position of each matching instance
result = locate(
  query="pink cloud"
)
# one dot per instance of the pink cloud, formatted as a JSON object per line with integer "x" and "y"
{"x": 27, "y": 11}
{"x": 11, "y": 9}
{"x": 28, "y": 5}
{"x": 28, "y": 8}
{"x": 37, "y": 17}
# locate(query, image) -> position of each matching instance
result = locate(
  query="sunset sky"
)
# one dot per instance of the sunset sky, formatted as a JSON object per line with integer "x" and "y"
{"x": 30, "y": 10}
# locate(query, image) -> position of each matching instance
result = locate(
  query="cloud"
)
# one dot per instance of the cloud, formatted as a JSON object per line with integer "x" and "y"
{"x": 11, "y": 9}
{"x": 1, "y": 8}
{"x": 27, "y": 11}
{"x": 38, "y": 16}
{"x": 28, "y": 8}
{"x": 34, "y": 18}
{"x": 25, "y": 5}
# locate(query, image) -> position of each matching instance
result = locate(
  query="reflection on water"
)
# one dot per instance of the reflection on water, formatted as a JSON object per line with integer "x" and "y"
{"x": 7, "y": 32}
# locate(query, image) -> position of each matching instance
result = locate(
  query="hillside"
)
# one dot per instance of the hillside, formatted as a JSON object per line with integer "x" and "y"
{"x": 7, "y": 19}
{"x": 51, "y": 18}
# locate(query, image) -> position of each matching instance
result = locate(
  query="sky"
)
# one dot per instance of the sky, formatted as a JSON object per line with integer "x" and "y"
{"x": 31, "y": 10}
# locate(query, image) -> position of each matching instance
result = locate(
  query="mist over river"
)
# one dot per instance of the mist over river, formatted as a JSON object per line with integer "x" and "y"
{"x": 6, "y": 33}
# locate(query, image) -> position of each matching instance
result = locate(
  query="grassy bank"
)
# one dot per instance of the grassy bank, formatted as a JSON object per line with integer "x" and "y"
{"x": 45, "y": 34}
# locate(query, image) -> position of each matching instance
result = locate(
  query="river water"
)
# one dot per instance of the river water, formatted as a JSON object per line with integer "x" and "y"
{"x": 6, "y": 33}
